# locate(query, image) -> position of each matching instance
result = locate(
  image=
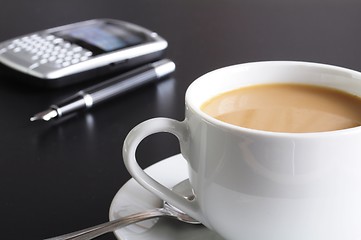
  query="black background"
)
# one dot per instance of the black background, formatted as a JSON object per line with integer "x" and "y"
{"x": 61, "y": 176}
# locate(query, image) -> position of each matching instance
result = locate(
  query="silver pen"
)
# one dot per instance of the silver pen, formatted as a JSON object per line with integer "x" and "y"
{"x": 103, "y": 91}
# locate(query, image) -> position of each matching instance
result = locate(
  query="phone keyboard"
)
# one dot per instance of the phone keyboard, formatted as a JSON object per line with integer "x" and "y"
{"x": 47, "y": 50}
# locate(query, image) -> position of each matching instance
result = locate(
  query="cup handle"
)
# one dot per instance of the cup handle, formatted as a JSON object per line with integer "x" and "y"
{"x": 135, "y": 136}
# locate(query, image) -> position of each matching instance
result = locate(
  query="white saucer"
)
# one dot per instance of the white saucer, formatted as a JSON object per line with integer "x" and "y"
{"x": 132, "y": 198}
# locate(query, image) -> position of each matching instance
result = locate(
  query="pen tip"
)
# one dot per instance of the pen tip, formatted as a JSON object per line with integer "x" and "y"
{"x": 45, "y": 115}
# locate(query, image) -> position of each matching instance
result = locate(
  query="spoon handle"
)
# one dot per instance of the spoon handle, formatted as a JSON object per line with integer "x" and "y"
{"x": 95, "y": 231}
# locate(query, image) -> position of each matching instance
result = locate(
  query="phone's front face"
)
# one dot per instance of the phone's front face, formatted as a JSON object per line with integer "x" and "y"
{"x": 103, "y": 37}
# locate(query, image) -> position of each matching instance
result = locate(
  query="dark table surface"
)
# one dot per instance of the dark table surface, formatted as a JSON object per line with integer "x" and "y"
{"x": 61, "y": 176}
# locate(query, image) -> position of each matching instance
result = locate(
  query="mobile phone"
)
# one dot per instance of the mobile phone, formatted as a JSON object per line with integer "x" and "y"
{"x": 80, "y": 51}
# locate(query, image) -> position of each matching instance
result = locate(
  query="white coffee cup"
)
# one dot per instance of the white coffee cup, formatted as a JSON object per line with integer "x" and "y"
{"x": 258, "y": 185}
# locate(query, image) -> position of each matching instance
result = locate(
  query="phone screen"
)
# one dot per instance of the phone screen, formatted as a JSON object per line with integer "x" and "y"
{"x": 104, "y": 37}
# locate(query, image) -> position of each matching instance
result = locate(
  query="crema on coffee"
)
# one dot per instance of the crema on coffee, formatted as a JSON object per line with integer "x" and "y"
{"x": 293, "y": 108}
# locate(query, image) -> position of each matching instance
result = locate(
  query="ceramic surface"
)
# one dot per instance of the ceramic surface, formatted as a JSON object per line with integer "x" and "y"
{"x": 132, "y": 198}
{"x": 260, "y": 185}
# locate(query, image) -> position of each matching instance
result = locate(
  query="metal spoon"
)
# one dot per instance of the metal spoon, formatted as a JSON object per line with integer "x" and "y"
{"x": 183, "y": 188}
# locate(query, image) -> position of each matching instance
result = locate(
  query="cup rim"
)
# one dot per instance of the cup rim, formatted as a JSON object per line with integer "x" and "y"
{"x": 228, "y": 126}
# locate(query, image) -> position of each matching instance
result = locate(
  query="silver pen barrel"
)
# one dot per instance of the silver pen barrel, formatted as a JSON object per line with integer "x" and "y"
{"x": 130, "y": 80}
{"x": 108, "y": 89}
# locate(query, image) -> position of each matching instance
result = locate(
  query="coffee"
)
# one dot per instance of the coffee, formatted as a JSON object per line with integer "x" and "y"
{"x": 293, "y": 108}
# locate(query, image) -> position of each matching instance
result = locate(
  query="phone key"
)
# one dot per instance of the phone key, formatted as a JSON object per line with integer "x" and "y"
{"x": 50, "y": 37}
{"x": 11, "y": 46}
{"x": 47, "y": 44}
{"x": 28, "y": 48}
{"x": 88, "y": 53}
{"x": 17, "y": 49}
{"x": 35, "y": 65}
{"x": 75, "y": 61}
{"x": 25, "y": 38}
{"x": 65, "y": 64}
{"x": 43, "y": 61}
{"x": 58, "y": 40}
{"x": 83, "y": 58}
{"x": 43, "y": 48}
{"x": 52, "y": 58}
{"x": 35, "y": 57}
{"x": 77, "y": 49}
{"x": 59, "y": 61}
{"x": 34, "y": 36}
